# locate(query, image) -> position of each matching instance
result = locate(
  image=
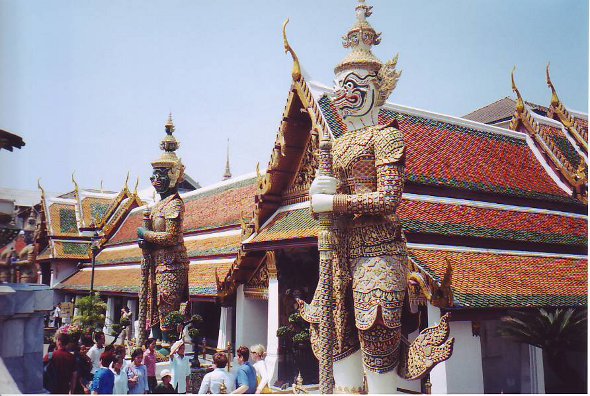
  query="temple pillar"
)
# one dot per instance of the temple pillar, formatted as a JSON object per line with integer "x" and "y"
{"x": 109, "y": 315}
{"x": 225, "y": 327}
{"x": 272, "y": 346}
{"x": 133, "y": 307}
{"x": 537, "y": 371}
{"x": 463, "y": 372}
{"x": 251, "y": 317}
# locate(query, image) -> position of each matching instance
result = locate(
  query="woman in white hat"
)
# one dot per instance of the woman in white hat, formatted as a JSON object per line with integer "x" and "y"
{"x": 165, "y": 387}
{"x": 258, "y": 353}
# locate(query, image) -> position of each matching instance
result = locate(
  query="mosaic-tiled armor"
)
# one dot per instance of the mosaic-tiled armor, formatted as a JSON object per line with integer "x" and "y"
{"x": 369, "y": 163}
{"x": 168, "y": 254}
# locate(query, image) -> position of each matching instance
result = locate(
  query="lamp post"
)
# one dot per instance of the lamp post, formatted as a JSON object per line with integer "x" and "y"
{"x": 94, "y": 241}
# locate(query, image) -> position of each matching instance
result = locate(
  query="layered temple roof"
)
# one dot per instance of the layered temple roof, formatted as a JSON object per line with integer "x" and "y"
{"x": 212, "y": 228}
{"x": 480, "y": 196}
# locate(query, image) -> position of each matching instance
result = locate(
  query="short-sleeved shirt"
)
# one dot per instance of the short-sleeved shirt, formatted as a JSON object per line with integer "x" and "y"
{"x": 247, "y": 376}
{"x": 103, "y": 382}
{"x": 142, "y": 383}
{"x": 65, "y": 365}
{"x": 121, "y": 386}
{"x": 94, "y": 355}
{"x": 149, "y": 359}
{"x": 181, "y": 368}
{"x": 212, "y": 382}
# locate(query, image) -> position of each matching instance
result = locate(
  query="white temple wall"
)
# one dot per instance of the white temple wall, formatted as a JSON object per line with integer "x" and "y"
{"x": 463, "y": 372}
{"x": 225, "y": 327}
{"x": 272, "y": 346}
{"x": 251, "y": 320}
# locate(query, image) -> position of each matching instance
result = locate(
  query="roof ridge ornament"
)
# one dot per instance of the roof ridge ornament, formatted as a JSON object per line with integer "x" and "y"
{"x": 76, "y": 188}
{"x": 296, "y": 72}
{"x": 519, "y": 100}
{"x": 554, "y": 98}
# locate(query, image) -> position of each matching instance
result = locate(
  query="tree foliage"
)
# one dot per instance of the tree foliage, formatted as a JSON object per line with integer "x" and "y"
{"x": 91, "y": 313}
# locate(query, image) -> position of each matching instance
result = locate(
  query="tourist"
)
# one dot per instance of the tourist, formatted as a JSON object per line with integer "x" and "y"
{"x": 83, "y": 368}
{"x": 121, "y": 386}
{"x": 126, "y": 333}
{"x": 258, "y": 354}
{"x": 57, "y": 316}
{"x": 121, "y": 352}
{"x": 63, "y": 371}
{"x": 96, "y": 350}
{"x": 165, "y": 388}
{"x": 212, "y": 381}
{"x": 104, "y": 379}
{"x": 149, "y": 360}
{"x": 246, "y": 378}
{"x": 137, "y": 374}
{"x": 181, "y": 367}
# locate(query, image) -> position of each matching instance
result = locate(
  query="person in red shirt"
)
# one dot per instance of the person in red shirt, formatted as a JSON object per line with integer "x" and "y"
{"x": 65, "y": 366}
{"x": 149, "y": 360}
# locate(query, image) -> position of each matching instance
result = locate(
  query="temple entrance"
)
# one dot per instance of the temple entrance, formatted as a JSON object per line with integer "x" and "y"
{"x": 298, "y": 277}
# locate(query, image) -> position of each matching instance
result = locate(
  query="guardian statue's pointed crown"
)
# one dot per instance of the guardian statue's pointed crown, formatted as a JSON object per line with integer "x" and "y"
{"x": 360, "y": 38}
{"x": 168, "y": 159}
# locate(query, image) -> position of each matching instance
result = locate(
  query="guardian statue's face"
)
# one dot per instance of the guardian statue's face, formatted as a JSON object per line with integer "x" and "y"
{"x": 355, "y": 93}
{"x": 160, "y": 180}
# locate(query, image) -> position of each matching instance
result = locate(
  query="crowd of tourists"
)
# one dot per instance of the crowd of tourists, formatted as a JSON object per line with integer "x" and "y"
{"x": 83, "y": 366}
{"x": 73, "y": 366}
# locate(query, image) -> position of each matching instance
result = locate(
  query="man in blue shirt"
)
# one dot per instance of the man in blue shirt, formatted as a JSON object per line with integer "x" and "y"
{"x": 246, "y": 378}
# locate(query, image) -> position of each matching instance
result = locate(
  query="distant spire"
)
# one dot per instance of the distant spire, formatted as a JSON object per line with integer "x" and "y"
{"x": 227, "y": 174}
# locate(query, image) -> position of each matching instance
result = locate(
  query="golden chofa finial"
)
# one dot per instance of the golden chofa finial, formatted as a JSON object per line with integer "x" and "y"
{"x": 127, "y": 181}
{"x": 296, "y": 72}
{"x": 136, "y": 185}
{"x": 554, "y": 98}
{"x": 40, "y": 188}
{"x": 519, "y": 101}
{"x": 76, "y": 189}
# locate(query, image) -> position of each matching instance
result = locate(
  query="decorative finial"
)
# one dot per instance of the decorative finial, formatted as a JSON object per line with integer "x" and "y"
{"x": 136, "y": 184}
{"x": 101, "y": 189}
{"x": 296, "y": 72}
{"x": 360, "y": 38}
{"x": 519, "y": 101}
{"x": 76, "y": 189}
{"x": 127, "y": 181}
{"x": 227, "y": 174}
{"x": 168, "y": 159}
{"x": 554, "y": 98}
{"x": 40, "y": 188}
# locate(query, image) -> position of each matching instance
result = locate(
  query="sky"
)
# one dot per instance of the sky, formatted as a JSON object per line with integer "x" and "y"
{"x": 89, "y": 84}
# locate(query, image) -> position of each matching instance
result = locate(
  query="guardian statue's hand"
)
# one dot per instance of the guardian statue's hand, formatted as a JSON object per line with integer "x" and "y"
{"x": 321, "y": 203}
{"x": 141, "y": 232}
{"x": 324, "y": 185}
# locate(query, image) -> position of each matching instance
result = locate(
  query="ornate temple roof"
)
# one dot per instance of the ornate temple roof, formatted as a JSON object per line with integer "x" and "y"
{"x": 127, "y": 279}
{"x": 212, "y": 228}
{"x": 500, "y": 279}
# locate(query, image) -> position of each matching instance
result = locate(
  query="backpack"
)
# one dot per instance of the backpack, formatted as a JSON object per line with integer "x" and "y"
{"x": 50, "y": 375}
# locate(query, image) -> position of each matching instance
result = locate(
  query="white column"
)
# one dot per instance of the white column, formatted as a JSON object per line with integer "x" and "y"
{"x": 438, "y": 375}
{"x": 132, "y": 304}
{"x": 225, "y": 327}
{"x": 272, "y": 346}
{"x": 464, "y": 368}
{"x": 240, "y": 321}
{"x": 537, "y": 370}
{"x": 109, "y": 315}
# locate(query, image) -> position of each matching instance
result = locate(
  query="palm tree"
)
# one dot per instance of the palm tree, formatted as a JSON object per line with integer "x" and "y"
{"x": 556, "y": 331}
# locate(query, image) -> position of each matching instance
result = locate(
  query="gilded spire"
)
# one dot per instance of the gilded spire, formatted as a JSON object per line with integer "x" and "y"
{"x": 554, "y": 98}
{"x": 519, "y": 101}
{"x": 168, "y": 159}
{"x": 127, "y": 181}
{"x": 76, "y": 189}
{"x": 227, "y": 174}
{"x": 360, "y": 38}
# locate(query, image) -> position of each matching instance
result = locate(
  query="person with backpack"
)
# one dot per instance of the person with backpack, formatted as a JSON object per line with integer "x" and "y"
{"x": 59, "y": 374}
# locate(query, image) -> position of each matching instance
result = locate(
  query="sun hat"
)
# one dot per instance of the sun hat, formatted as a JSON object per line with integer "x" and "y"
{"x": 175, "y": 346}
{"x": 165, "y": 372}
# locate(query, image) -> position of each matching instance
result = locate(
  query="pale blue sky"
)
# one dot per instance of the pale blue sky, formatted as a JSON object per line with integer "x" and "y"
{"x": 89, "y": 84}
